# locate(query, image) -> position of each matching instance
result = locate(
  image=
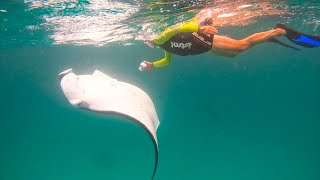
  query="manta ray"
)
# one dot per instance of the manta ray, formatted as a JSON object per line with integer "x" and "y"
{"x": 103, "y": 94}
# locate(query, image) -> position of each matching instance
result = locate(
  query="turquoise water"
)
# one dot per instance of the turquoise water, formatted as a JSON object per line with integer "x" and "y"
{"x": 252, "y": 117}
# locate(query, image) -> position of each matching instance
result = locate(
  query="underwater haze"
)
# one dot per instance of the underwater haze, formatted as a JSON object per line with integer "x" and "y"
{"x": 252, "y": 117}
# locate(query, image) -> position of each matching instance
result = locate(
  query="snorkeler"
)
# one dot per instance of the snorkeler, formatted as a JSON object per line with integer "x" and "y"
{"x": 195, "y": 38}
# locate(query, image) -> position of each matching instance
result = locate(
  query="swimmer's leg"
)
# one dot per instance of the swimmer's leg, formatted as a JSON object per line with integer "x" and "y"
{"x": 229, "y": 47}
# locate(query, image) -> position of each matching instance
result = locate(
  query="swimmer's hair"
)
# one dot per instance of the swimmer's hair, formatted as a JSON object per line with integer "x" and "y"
{"x": 206, "y": 22}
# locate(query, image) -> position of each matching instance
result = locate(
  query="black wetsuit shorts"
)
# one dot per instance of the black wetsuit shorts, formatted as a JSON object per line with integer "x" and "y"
{"x": 188, "y": 43}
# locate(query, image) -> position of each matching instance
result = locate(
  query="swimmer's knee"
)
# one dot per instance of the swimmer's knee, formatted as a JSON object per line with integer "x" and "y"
{"x": 242, "y": 46}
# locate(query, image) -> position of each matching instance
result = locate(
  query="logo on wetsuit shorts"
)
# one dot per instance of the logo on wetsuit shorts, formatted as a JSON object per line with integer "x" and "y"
{"x": 199, "y": 37}
{"x": 181, "y": 45}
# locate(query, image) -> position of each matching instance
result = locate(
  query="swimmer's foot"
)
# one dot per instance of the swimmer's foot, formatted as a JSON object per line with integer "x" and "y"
{"x": 305, "y": 40}
{"x": 291, "y": 33}
{"x": 274, "y": 40}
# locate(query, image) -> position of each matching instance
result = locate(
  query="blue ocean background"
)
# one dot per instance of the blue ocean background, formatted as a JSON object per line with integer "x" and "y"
{"x": 253, "y": 117}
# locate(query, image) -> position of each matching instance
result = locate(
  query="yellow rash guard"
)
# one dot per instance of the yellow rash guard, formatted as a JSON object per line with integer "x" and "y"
{"x": 182, "y": 40}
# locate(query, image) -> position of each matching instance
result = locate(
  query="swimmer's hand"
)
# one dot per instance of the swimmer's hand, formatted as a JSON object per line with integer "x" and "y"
{"x": 210, "y": 30}
{"x": 146, "y": 65}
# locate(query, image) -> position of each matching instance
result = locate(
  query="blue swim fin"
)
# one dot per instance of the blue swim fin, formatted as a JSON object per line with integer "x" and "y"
{"x": 305, "y": 40}
{"x": 274, "y": 40}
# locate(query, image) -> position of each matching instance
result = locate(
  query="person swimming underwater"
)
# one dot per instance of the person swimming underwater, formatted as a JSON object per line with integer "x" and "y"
{"x": 193, "y": 38}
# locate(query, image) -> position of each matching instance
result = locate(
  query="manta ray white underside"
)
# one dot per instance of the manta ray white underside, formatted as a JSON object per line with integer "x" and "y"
{"x": 103, "y": 94}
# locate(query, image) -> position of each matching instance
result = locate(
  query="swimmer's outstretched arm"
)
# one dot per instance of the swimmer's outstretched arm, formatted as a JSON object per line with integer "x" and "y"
{"x": 163, "y": 62}
{"x": 160, "y": 63}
